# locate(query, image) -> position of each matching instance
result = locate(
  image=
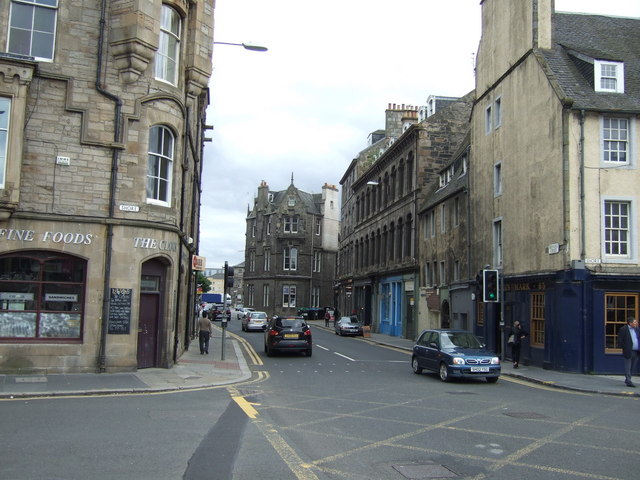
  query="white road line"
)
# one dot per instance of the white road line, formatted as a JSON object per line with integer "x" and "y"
{"x": 344, "y": 356}
{"x": 323, "y": 348}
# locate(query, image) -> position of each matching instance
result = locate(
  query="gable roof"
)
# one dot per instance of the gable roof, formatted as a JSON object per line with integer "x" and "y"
{"x": 577, "y": 37}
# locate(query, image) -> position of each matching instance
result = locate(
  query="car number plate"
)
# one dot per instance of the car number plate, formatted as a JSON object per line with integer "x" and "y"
{"x": 290, "y": 335}
{"x": 479, "y": 369}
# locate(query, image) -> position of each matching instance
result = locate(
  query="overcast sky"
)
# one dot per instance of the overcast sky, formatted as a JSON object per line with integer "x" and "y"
{"x": 306, "y": 107}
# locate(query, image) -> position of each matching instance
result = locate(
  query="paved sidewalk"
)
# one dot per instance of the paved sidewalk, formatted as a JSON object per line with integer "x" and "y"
{"x": 200, "y": 371}
{"x": 191, "y": 371}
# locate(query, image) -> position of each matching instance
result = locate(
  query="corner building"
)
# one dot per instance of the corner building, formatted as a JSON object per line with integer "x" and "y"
{"x": 290, "y": 250}
{"x": 102, "y": 109}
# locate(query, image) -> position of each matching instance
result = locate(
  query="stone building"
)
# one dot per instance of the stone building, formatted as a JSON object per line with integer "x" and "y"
{"x": 554, "y": 180}
{"x": 290, "y": 250}
{"x": 378, "y": 269}
{"x": 102, "y": 116}
{"x": 447, "y": 284}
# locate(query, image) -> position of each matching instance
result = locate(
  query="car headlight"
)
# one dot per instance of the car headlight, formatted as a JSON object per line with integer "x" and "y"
{"x": 458, "y": 361}
{"x": 495, "y": 361}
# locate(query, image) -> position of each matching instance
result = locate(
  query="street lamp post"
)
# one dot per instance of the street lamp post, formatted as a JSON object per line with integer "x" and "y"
{"x": 246, "y": 46}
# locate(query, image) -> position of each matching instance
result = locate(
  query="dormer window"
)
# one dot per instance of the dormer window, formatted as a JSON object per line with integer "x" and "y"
{"x": 609, "y": 76}
{"x": 291, "y": 202}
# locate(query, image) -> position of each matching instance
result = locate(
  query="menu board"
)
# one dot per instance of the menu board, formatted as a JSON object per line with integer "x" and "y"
{"x": 120, "y": 311}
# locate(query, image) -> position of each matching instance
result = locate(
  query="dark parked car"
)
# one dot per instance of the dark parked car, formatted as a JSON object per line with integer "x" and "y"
{"x": 454, "y": 353}
{"x": 291, "y": 334}
{"x": 348, "y": 326}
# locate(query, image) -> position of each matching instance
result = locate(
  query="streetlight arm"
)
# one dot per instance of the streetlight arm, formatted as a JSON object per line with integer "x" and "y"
{"x": 246, "y": 46}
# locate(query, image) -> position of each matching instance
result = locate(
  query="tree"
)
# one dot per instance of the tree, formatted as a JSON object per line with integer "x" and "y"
{"x": 203, "y": 282}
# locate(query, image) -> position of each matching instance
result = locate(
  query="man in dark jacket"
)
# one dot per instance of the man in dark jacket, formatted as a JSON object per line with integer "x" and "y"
{"x": 629, "y": 340}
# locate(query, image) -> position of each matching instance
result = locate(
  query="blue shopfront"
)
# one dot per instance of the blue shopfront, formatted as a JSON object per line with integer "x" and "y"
{"x": 572, "y": 317}
{"x": 390, "y": 306}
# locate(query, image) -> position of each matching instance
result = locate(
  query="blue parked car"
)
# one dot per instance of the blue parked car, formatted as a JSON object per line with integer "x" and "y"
{"x": 454, "y": 353}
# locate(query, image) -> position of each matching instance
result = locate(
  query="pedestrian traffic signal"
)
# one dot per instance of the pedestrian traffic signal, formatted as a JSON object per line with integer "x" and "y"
{"x": 490, "y": 289}
{"x": 228, "y": 276}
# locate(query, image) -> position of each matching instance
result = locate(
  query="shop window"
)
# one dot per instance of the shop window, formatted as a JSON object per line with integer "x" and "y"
{"x": 5, "y": 108}
{"x": 618, "y": 307}
{"x": 537, "y": 319}
{"x": 41, "y": 296}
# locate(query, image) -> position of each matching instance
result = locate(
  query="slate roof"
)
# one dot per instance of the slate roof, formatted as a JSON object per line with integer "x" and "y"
{"x": 602, "y": 38}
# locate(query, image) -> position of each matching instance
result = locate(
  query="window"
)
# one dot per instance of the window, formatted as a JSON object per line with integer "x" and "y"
{"x": 290, "y": 258}
{"x": 253, "y": 228}
{"x": 291, "y": 223}
{"x": 497, "y": 242}
{"x": 267, "y": 260}
{"x": 265, "y": 295}
{"x": 317, "y": 260}
{"x": 251, "y": 291}
{"x": 291, "y": 201}
{"x": 609, "y": 76}
{"x": 269, "y": 226}
{"x": 488, "y": 120}
{"x": 41, "y": 296}
{"x": 497, "y": 114}
{"x": 289, "y": 296}
{"x": 615, "y": 139}
{"x": 315, "y": 297}
{"x": 160, "y": 167}
{"x": 32, "y": 28}
{"x": 318, "y": 225}
{"x": 618, "y": 307}
{"x": 616, "y": 218}
{"x": 427, "y": 275}
{"x": 456, "y": 211}
{"x": 456, "y": 270}
{"x": 443, "y": 218}
{"x": 537, "y": 319}
{"x": 169, "y": 46}
{"x": 5, "y": 110}
{"x": 443, "y": 273}
{"x": 252, "y": 260}
{"x": 497, "y": 179}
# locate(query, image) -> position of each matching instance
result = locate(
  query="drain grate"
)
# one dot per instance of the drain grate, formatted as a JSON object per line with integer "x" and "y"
{"x": 526, "y": 415}
{"x": 419, "y": 471}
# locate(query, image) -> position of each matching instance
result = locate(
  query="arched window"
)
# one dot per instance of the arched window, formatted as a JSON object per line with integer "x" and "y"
{"x": 168, "y": 53}
{"x": 41, "y": 296}
{"x": 160, "y": 165}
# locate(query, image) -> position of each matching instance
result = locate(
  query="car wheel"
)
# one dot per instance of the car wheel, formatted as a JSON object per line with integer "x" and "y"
{"x": 444, "y": 373}
{"x": 308, "y": 352}
{"x": 492, "y": 379}
{"x": 415, "y": 366}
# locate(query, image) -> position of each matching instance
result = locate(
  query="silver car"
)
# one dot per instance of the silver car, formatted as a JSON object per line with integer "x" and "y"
{"x": 254, "y": 321}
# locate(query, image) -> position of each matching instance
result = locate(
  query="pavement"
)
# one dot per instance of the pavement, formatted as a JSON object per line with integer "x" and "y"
{"x": 195, "y": 371}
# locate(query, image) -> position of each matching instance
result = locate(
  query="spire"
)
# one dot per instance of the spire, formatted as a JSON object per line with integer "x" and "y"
{"x": 291, "y": 178}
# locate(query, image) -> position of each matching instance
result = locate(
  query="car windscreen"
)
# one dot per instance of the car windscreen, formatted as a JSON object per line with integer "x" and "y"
{"x": 290, "y": 323}
{"x": 459, "y": 340}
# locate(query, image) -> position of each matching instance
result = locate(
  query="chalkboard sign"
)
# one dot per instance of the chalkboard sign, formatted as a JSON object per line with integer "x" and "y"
{"x": 120, "y": 311}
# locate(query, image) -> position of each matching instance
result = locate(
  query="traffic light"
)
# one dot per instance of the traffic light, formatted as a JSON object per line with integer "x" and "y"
{"x": 490, "y": 289}
{"x": 228, "y": 276}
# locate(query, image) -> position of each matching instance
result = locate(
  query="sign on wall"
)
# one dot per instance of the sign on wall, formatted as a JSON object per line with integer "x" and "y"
{"x": 120, "y": 311}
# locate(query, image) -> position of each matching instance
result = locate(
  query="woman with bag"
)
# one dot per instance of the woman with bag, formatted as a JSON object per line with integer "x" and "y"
{"x": 515, "y": 339}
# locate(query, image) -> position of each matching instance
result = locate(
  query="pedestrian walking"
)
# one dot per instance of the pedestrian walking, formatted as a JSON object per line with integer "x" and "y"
{"x": 204, "y": 333}
{"x": 515, "y": 340}
{"x": 327, "y": 317}
{"x": 629, "y": 340}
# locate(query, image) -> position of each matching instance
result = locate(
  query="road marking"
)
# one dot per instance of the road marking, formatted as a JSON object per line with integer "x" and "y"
{"x": 344, "y": 356}
{"x": 247, "y": 407}
{"x": 323, "y": 348}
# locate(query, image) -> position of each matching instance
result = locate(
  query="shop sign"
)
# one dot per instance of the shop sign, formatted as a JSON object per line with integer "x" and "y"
{"x": 66, "y": 238}
{"x": 152, "y": 243}
{"x": 16, "y": 297}
{"x": 60, "y": 297}
{"x": 198, "y": 263}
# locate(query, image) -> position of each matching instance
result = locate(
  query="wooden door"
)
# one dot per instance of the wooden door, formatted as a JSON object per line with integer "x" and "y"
{"x": 148, "y": 329}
